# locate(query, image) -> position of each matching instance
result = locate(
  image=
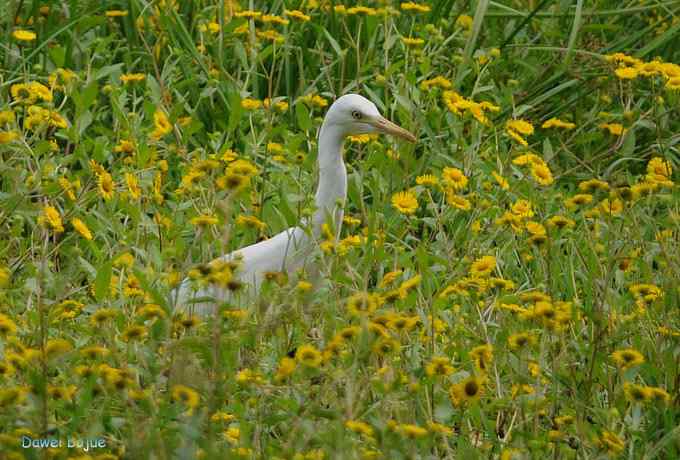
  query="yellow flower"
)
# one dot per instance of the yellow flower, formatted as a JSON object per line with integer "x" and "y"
{"x": 591, "y": 185}
{"x": 636, "y": 393}
{"x": 500, "y": 180}
{"x": 273, "y": 19}
{"x": 464, "y": 21}
{"x": 52, "y": 218}
{"x": 362, "y": 303}
{"x": 250, "y": 221}
{"x": 57, "y": 347}
{"x": 314, "y": 101}
{"x": 204, "y": 220}
{"x": 454, "y": 178}
{"x": 24, "y": 35}
{"x": 409, "y": 41}
{"x": 557, "y": 123}
{"x": 616, "y": 129}
{"x": 457, "y": 201}
{"x": 29, "y": 93}
{"x": 384, "y": 346}
{"x": 286, "y": 368}
{"x": 8, "y": 136}
{"x": 308, "y": 355}
{"x": 271, "y": 35}
{"x": 483, "y": 266}
{"x": 439, "y": 366}
{"x": 116, "y": 13}
{"x": 106, "y": 185}
{"x": 673, "y": 84}
{"x": 627, "y": 358}
{"x": 658, "y": 166}
{"x": 365, "y": 10}
{"x": 359, "y": 427}
{"x": 124, "y": 260}
{"x": 297, "y": 14}
{"x": 439, "y": 428}
{"x": 134, "y": 332}
{"x": 186, "y": 396}
{"x": 612, "y": 442}
{"x": 133, "y": 186}
{"x": 411, "y": 431}
{"x": 542, "y": 174}
{"x": 161, "y": 123}
{"x": 81, "y": 228}
{"x": 528, "y": 159}
{"x": 4, "y": 276}
{"x": 7, "y": 326}
{"x": 427, "y": 179}
{"x": 415, "y": 7}
{"x": 438, "y": 82}
{"x": 482, "y": 356}
{"x": 518, "y": 128}
{"x": 7, "y": 117}
{"x": 578, "y": 200}
{"x": 613, "y": 207}
{"x": 132, "y": 77}
{"x": 626, "y": 73}
{"x": 405, "y": 202}
{"x": 522, "y": 208}
{"x": 521, "y": 340}
{"x": 466, "y": 391}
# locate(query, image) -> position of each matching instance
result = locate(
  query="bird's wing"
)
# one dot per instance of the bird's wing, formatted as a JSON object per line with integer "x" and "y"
{"x": 278, "y": 253}
{"x": 285, "y": 251}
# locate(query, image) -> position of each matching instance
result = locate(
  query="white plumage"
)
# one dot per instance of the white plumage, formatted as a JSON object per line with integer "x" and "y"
{"x": 290, "y": 249}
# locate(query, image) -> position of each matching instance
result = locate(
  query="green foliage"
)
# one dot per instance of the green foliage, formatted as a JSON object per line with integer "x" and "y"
{"x": 544, "y": 275}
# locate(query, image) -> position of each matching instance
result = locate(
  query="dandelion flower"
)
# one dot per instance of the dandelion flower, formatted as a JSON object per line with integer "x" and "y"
{"x": 615, "y": 129}
{"x": 612, "y": 443}
{"x": 105, "y": 184}
{"x": 308, "y": 355}
{"x": 457, "y": 201}
{"x": 81, "y": 228}
{"x": 162, "y": 125}
{"x": 454, "y": 178}
{"x": 359, "y": 427}
{"x": 557, "y": 123}
{"x": 411, "y": 431}
{"x": 7, "y": 326}
{"x": 439, "y": 366}
{"x": 483, "y": 266}
{"x": 362, "y": 303}
{"x": 405, "y": 202}
{"x": 519, "y": 128}
{"x": 627, "y": 358}
{"x": 542, "y": 174}
{"x": 186, "y": 396}
{"x": 52, "y": 218}
{"x": 521, "y": 340}
{"x": 415, "y": 7}
{"x": 24, "y": 35}
{"x": 466, "y": 391}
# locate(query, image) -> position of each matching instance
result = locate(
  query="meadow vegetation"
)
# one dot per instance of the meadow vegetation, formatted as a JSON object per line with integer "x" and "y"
{"x": 505, "y": 288}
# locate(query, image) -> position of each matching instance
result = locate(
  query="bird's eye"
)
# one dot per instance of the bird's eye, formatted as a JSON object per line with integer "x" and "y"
{"x": 356, "y": 114}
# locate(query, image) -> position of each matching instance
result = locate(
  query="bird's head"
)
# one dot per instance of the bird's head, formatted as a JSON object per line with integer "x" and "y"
{"x": 353, "y": 114}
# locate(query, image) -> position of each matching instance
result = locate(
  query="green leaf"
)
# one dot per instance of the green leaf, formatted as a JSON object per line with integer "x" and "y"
{"x": 333, "y": 42}
{"x": 149, "y": 289}
{"x": 303, "y": 118}
{"x": 102, "y": 282}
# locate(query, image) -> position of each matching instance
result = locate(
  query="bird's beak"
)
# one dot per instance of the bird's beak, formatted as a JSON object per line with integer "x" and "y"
{"x": 386, "y": 126}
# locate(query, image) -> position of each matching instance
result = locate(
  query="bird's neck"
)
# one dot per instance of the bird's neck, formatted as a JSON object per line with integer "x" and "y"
{"x": 332, "y": 190}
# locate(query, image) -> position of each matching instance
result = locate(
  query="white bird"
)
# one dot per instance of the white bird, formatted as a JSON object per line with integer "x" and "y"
{"x": 291, "y": 249}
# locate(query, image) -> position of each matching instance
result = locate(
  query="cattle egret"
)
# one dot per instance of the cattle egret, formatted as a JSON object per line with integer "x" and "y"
{"x": 291, "y": 249}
